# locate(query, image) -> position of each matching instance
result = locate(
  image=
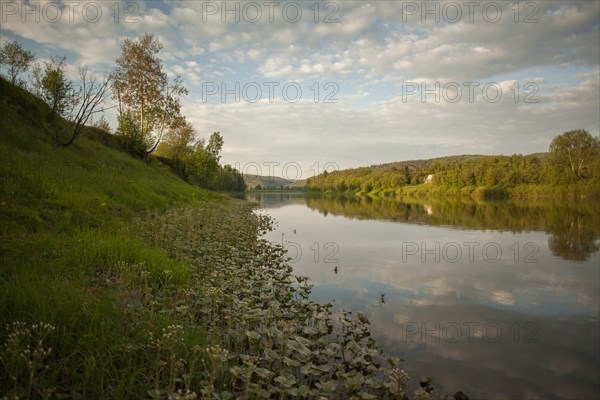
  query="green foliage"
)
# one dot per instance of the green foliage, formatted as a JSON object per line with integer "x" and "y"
{"x": 53, "y": 86}
{"x": 571, "y": 170}
{"x": 143, "y": 91}
{"x": 230, "y": 179}
{"x": 264, "y": 337}
{"x": 129, "y": 131}
{"x": 214, "y": 146}
{"x": 179, "y": 141}
{"x": 16, "y": 60}
{"x": 573, "y": 156}
{"x": 201, "y": 167}
{"x": 69, "y": 258}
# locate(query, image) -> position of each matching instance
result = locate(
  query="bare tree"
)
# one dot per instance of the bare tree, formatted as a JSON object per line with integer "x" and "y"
{"x": 89, "y": 98}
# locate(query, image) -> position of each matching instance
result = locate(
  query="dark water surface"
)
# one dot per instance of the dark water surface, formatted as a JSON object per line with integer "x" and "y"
{"x": 498, "y": 299}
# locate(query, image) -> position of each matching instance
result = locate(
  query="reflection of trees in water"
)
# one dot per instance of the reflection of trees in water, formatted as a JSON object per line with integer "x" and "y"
{"x": 275, "y": 199}
{"x": 575, "y": 242}
{"x": 574, "y": 228}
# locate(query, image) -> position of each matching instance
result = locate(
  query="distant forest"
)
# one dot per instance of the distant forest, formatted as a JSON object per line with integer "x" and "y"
{"x": 571, "y": 168}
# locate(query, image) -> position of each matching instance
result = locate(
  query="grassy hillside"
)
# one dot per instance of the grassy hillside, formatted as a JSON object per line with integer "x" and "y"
{"x": 53, "y": 196}
{"x": 119, "y": 280}
{"x": 67, "y": 222}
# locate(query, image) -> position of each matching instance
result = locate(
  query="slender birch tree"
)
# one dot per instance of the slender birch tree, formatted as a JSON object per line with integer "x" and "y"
{"x": 148, "y": 102}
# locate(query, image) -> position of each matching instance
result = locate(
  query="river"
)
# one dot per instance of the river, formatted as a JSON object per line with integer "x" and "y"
{"x": 498, "y": 299}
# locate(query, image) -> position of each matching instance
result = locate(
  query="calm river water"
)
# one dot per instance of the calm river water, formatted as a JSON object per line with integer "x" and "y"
{"x": 498, "y": 299}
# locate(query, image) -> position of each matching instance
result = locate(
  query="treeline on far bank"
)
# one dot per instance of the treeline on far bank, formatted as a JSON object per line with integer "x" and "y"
{"x": 571, "y": 169}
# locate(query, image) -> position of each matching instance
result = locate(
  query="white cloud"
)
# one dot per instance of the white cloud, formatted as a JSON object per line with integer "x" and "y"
{"x": 370, "y": 54}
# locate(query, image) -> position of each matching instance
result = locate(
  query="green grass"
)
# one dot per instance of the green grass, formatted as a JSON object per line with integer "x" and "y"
{"x": 70, "y": 206}
{"x": 68, "y": 255}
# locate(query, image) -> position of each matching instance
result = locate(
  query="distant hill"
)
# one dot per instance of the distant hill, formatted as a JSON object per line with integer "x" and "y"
{"x": 269, "y": 182}
{"x": 421, "y": 164}
{"x": 297, "y": 184}
{"x": 416, "y": 166}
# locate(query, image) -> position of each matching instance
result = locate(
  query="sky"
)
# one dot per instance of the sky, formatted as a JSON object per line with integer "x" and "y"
{"x": 296, "y": 87}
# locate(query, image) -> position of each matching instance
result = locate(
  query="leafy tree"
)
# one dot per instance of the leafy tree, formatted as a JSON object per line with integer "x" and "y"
{"x": 128, "y": 130}
{"x": 143, "y": 90}
{"x": 53, "y": 87}
{"x": 16, "y": 59}
{"x": 179, "y": 141}
{"x": 215, "y": 143}
{"x": 201, "y": 167}
{"x": 230, "y": 179}
{"x": 572, "y": 153}
{"x": 367, "y": 186}
{"x": 532, "y": 171}
{"x": 201, "y": 163}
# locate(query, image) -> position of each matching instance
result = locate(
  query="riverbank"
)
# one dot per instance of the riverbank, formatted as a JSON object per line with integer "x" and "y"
{"x": 529, "y": 192}
{"x": 120, "y": 280}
